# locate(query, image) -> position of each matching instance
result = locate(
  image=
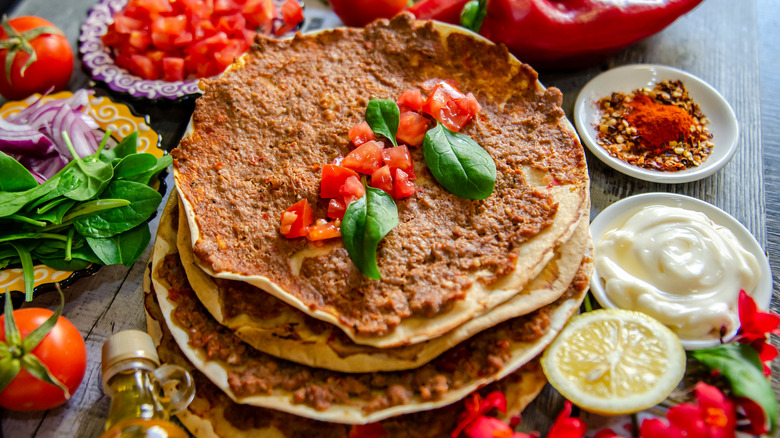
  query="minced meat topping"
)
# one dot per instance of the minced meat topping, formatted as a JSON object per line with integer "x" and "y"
{"x": 262, "y": 132}
{"x": 251, "y": 372}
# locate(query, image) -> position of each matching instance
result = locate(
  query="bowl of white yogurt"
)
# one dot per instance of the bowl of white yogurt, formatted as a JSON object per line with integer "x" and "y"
{"x": 680, "y": 260}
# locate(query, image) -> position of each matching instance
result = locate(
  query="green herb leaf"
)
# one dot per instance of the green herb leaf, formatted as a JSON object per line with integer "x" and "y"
{"x": 144, "y": 201}
{"x": 365, "y": 223}
{"x": 146, "y": 177}
{"x": 473, "y": 14}
{"x": 134, "y": 165}
{"x": 28, "y": 269}
{"x": 740, "y": 365}
{"x": 124, "y": 248}
{"x": 383, "y": 117}
{"x": 94, "y": 174}
{"x": 128, "y": 146}
{"x": 458, "y": 163}
{"x": 15, "y": 177}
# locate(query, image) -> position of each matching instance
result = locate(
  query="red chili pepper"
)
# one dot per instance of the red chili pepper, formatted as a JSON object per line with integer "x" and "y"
{"x": 564, "y": 33}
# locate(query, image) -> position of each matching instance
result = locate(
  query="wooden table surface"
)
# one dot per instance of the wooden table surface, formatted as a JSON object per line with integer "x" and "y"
{"x": 730, "y": 44}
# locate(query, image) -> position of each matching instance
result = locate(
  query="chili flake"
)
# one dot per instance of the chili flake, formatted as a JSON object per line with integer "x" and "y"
{"x": 661, "y": 129}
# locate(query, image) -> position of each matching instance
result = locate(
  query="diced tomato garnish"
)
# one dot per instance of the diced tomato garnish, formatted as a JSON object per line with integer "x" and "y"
{"x": 336, "y": 208}
{"x": 173, "y": 69}
{"x": 143, "y": 66}
{"x": 292, "y": 14}
{"x": 443, "y": 105}
{"x": 411, "y": 128}
{"x": 125, "y": 24}
{"x": 232, "y": 24}
{"x": 223, "y": 6}
{"x": 365, "y": 159}
{"x": 403, "y": 187}
{"x": 323, "y": 229}
{"x": 296, "y": 220}
{"x": 139, "y": 40}
{"x": 352, "y": 190}
{"x": 430, "y": 84}
{"x": 413, "y": 99}
{"x": 382, "y": 180}
{"x": 333, "y": 177}
{"x": 470, "y": 105}
{"x": 258, "y": 12}
{"x": 361, "y": 133}
{"x": 399, "y": 158}
{"x": 225, "y": 55}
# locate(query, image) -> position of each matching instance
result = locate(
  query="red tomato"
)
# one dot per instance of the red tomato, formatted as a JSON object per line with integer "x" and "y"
{"x": 352, "y": 190}
{"x": 336, "y": 208}
{"x": 362, "y": 12}
{"x": 292, "y": 14}
{"x": 296, "y": 220}
{"x": 258, "y": 12}
{"x": 412, "y": 99}
{"x": 403, "y": 187}
{"x": 382, "y": 180}
{"x": 173, "y": 68}
{"x": 411, "y": 128}
{"x": 52, "y": 68}
{"x": 62, "y": 351}
{"x": 451, "y": 107}
{"x": 323, "y": 229}
{"x": 399, "y": 158}
{"x": 365, "y": 159}
{"x": 361, "y": 133}
{"x": 333, "y": 177}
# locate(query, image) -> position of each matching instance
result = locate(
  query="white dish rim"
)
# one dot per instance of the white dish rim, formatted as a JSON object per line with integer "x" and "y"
{"x": 723, "y": 121}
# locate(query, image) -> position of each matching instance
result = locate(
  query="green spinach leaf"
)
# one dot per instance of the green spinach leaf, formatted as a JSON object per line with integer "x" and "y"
{"x": 54, "y": 211}
{"x": 459, "y": 164}
{"x": 124, "y": 248}
{"x": 11, "y": 202}
{"x": 67, "y": 182}
{"x": 15, "y": 177}
{"x": 740, "y": 365}
{"x": 144, "y": 201}
{"x": 146, "y": 177}
{"x": 28, "y": 270}
{"x": 93, "y": 173}
{"x": 128, "y": 146}
{"x": 383, "y": 117}
{"x": 365, "y": 223}
{"x": 134, "y": 165}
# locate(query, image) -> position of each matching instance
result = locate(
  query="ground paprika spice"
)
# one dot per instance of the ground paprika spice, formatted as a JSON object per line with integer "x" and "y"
{"x": 660, "y": 128}
{"x": 657, "y": 124}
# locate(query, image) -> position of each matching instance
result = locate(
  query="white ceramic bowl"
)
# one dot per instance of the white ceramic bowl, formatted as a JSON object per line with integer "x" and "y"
{"x": 617, "y": 213}
{"x": 723, "y": 122}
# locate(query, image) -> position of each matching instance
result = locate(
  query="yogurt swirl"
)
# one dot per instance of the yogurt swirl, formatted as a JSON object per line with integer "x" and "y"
{"x": 679, "y": 267}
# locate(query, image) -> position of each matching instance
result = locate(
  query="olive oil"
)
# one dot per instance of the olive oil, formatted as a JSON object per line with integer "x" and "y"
{"x": 133, "y": 377}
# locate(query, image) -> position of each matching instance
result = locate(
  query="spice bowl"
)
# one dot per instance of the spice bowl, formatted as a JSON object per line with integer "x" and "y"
{"x": 680, "y": 242}
{"x": 722, "y": 121}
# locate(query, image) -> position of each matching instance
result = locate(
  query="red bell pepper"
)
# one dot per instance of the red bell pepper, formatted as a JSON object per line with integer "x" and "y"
{"x": 564, "y": 33}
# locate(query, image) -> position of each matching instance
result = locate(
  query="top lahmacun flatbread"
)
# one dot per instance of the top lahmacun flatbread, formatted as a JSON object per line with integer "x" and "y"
{"x": 261, "y": 133}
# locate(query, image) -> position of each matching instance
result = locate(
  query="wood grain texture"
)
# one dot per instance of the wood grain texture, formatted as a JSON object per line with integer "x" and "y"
{"x": 718, "y": 41}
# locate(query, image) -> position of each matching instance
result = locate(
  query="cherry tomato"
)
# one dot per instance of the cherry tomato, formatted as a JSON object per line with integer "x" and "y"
{"x": 52, "y": 67}
{"x": 362, "y": 12}
{"x": 62, "y": 351}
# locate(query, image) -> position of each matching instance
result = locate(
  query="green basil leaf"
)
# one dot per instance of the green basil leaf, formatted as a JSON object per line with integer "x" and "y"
{"x": 383, "y": 117}
{"x": 458, "y": 163}
{"x": 144, "y": 201}
{"x": 15, "y": 177}
{"x": 128, "y": 146}
{"x": 124, "y": 248}
{"x": 740, "y": 365}
{"x": 365, "y": 223}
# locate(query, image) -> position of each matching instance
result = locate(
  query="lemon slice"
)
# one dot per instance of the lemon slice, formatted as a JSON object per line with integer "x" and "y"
{"x": 614, "y": 362}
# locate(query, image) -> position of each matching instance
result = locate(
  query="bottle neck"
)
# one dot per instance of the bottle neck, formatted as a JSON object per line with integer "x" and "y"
{"x": 134, "y": 392}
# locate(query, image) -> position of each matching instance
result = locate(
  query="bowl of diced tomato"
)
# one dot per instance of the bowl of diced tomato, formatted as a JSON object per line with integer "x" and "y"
{"x": 161, "y": 48}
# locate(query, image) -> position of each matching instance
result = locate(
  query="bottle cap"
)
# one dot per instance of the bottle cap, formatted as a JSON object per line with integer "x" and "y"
{"x": 128, "y": 344}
